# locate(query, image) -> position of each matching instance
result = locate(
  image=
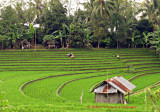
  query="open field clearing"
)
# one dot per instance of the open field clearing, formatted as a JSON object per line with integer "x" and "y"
{"x": 50, "y": 81}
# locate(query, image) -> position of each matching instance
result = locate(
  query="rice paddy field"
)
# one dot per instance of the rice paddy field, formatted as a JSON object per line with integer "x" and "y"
{"x": 50, "y": 81}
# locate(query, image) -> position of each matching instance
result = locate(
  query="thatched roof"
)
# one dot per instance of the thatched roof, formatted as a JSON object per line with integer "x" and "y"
{"x": 51, "y": 43}
{"x": 25, "y": 42}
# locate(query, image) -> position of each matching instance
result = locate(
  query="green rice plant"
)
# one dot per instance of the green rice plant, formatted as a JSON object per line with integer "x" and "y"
{"x": 151, "y": 98}
{"x": 3, "y": 102}
{"x": 145, "y": 80}
{"x": 20, "y": 67}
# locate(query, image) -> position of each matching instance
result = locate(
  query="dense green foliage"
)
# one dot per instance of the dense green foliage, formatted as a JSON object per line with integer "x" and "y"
{"x": 49, "y": 80}
{"x": 102, "y": 23}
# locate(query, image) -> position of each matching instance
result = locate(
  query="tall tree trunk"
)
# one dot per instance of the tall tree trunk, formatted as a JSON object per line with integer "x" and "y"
{"x": 35, "y": 41}
{"x": 62, "y": 44}
{"x": 13, "y": 45}
{"x": 132, "y": 45}
{"x": 98, "y": 44}
{"x": 32, "y": 41}
{"x": 68, "y": 43}
{"x": 2, "y": 44}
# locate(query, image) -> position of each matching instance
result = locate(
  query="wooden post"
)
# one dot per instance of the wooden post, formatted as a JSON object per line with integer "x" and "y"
{"x": 35, "y": 41}
{"x": 128, "y": 97}
{"x": 121, "y": 98}
{"x": 95, "y": 98}
{"x": 107, "y": 89}
{"x": 81, "y": 97}
{"x": 128, "y": 67}
{"x": 49, "y": 46}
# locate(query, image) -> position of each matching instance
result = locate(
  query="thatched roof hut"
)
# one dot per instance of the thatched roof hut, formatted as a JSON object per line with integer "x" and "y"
{"x": 112, "y": 90}
{"x": 25, "y": 44}
{"x": 51, "y": 44}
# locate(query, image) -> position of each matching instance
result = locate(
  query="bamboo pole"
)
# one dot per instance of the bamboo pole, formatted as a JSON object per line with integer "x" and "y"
{"x": 107, "y": 89}
{"x": 81, "y": 97}
{"x": 128, "y": 97}
{"x": 35, "y": 41}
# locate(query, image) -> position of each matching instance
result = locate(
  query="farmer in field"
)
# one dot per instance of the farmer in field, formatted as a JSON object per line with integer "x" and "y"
{"x": 118, "y": 57}
{"x": 71, "y": 55}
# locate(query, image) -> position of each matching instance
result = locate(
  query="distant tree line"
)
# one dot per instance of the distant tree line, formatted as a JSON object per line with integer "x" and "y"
{"x": 102, "y": 23}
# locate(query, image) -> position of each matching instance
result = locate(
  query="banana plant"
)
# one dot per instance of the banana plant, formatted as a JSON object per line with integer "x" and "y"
{"x": 49, "y": 38}
{"x": 15, "y": 37}
{"x": 31, "y": 29}
{"x": 19, "y": 35}
{"x": 156, "y": 39}
{"x": 146, "y": 36}
{"x": 59, "y": 36}
{"x": 31, "y": 33}
{"x": 87, "y": 38}
{"x": 133, "y": 39}
{"x": 67, "y": 34}
{"x": 107, "y": 41}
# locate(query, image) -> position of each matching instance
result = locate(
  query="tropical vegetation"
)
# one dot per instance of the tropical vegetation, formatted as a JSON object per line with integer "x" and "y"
{"x": 100, "y": 23}
{"x": 36, "y": 36}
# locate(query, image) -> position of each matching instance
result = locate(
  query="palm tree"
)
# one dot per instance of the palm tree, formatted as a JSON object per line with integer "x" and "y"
{"x": 118, "y": 20}
{"x": 89, "y": 8}
{"x": 151, "y": 10}
{"x": 102, "y": 7}
{"x": 99, "y": 18}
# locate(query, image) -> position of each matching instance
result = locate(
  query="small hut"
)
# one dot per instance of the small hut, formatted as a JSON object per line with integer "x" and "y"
{"x": 51, "y": 44}
{"x": 25, "y": 44}
{"x": 112, "y": 90}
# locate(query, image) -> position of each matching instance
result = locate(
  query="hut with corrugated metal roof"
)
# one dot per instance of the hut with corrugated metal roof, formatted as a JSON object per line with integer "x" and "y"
{"x": 112, "y": 90}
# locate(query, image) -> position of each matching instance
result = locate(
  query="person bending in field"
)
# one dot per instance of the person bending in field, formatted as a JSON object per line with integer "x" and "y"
{"x": 71, "y": 55}
{"x": 118, "y": 57}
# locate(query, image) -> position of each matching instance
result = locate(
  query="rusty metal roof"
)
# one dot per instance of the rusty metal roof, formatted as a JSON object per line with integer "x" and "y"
{"x": 105, "y": 89}
{"x": 119, "y": 83}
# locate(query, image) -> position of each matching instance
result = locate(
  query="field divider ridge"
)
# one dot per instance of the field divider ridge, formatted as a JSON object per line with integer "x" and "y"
{"x": 32, "y": 81}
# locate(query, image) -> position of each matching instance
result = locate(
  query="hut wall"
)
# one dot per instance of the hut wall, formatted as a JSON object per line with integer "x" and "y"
{"x": 100, "y": 98}
{"x": 109, "y": 98}
{"x": 115, "y": 98}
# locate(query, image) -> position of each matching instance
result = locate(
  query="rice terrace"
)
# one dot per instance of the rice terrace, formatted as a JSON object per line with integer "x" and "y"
{"x": 48, "y": 80}
{"x": 79, "y": 55}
